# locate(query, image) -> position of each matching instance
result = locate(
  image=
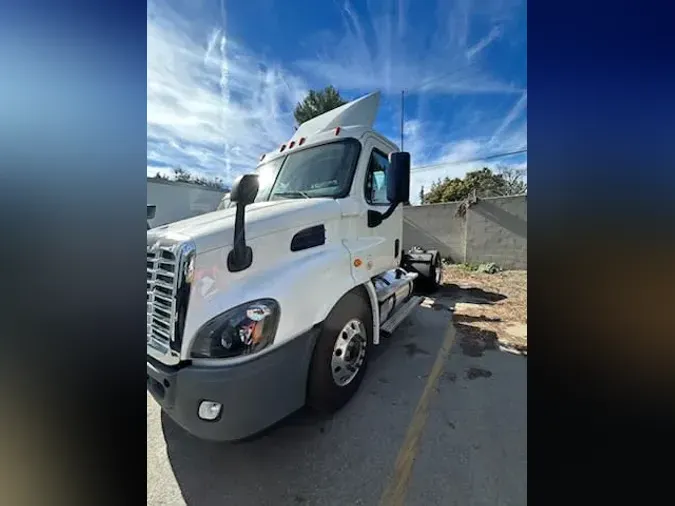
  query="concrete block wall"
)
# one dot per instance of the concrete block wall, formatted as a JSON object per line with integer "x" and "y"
{"x": 497, "y": 232}
{"x": 493, "y": 230}
{"x": 435, "y": 227}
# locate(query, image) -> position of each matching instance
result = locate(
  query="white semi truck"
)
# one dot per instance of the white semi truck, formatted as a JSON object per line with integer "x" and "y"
{"x": 276, "y": 301}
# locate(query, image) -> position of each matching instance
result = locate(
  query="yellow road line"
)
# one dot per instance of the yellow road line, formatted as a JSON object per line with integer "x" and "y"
{"x": 395, "y": 492}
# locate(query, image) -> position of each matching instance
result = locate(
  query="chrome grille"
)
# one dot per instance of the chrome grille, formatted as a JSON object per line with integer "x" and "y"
{"x": 162, "y": 269}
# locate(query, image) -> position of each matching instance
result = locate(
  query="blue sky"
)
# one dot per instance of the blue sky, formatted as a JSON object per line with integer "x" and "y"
{"x": 224, "y": 76}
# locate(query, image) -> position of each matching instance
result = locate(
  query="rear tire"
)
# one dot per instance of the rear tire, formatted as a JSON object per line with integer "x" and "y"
{"x": 435, "y": 278}
{"x": 430, "y": 276}
{"x": 341, "y": 354}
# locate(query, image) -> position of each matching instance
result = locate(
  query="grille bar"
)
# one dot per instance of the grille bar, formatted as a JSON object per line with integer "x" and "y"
{"x": 161, "y": 295}
{"x": 169, "y": 264}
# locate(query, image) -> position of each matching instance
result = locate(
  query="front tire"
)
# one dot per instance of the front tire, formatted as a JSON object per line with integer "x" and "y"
{"x": 341, "y": 354}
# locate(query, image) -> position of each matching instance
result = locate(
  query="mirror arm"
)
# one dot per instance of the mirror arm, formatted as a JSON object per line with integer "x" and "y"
{"x": 243, "y": 192}
{"x": 390, "y": 210}
{"x": 376, "y": 217}
{"x": 241, "y": 255}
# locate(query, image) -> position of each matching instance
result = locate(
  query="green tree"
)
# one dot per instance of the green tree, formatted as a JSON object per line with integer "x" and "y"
{"x": 183, "y": 176}
{"x": 317, "y": 102}
{"x": 484, "y": 183}
{"x": 514, "y": 178}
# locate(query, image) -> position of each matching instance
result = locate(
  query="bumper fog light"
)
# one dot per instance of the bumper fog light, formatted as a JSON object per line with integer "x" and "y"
{"x": 209, "y": 410}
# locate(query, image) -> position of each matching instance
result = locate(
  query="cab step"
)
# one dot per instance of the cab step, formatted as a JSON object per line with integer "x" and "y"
{"x": 401, "y": 314}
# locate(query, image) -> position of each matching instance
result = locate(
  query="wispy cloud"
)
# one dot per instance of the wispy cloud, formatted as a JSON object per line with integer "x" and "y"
{"x": 370, "y": 54}
{"x": 213, "y": 106}
{"x": 483, "y": 43}
{"x": 457, "y": 157}
{"x": 512, "y": 115}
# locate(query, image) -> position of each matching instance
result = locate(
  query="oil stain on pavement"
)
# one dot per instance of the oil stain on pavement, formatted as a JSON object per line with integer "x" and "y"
{"x": 474, "y": 342}
{"x": 477, "y": 372}
{"x": 412, "y": 349}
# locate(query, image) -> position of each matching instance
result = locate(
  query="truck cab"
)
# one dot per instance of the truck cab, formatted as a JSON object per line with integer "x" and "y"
{"x": 276, "y": 300}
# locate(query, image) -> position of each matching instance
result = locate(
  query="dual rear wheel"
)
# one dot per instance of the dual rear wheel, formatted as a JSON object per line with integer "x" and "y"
{"x": 430, "y": 273}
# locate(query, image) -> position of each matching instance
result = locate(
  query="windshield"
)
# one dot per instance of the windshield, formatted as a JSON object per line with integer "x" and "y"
{"x": 320, "y": 171}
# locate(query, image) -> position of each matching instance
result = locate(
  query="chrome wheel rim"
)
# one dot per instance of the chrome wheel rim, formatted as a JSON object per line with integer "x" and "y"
{"x": 349, "y": 352}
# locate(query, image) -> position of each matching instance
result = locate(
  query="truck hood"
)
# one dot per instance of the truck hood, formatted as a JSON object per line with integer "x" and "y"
{"x": 215, "y": 229}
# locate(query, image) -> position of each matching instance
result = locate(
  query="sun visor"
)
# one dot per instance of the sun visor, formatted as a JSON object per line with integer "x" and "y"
{"x": 359, "y": 112}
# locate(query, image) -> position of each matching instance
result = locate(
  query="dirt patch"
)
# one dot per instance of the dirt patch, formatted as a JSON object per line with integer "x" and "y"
{"x": 489, "y": 310}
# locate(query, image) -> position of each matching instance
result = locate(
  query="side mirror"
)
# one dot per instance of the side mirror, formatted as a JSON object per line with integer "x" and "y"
{"x": 245, "y": 189}
{"x": 398, "y": 187}
{"x": 151, "y": 212}
{"x": 398, "y": 178}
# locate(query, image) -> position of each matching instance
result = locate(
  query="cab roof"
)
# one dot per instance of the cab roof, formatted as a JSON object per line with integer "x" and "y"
{"x": 360, "y": 112}
{"x": 352, "y": 119}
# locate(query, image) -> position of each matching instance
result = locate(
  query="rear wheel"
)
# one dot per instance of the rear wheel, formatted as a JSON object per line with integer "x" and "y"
{"x": 430, "y": 273}
{"x": 341, "y": 354}
{"x": 436, "y": 273}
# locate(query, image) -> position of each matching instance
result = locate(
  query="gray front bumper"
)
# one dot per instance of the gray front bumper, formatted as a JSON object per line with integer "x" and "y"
{"x": 254, "y": 394}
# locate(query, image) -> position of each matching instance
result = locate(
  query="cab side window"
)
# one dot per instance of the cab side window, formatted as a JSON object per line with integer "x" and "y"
{"x": 376, "y": 179}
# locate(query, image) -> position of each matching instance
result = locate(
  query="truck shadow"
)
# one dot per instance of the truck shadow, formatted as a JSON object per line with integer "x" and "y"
{"x": 307, "y": 458}
{"x": 473, "y": 340}
{"x": 219, "y": 473}
{"x": 470, "y": 295}
{"x": 228, "y": 473}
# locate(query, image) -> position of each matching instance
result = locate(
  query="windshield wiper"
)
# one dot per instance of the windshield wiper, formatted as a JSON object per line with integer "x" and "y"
{"x": 291, "y": 194}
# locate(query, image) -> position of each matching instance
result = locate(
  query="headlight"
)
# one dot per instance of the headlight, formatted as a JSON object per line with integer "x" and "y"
{"x": 243, "y": 330}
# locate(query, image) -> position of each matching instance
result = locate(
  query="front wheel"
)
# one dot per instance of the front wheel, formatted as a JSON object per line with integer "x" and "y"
{"x": 341, "y": 355}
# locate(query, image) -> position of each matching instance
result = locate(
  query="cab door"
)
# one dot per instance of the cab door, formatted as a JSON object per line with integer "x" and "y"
{"x": 386, "y": 236}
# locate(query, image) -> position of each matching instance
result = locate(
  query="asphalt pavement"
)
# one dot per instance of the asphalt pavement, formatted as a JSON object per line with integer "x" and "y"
{"x": 431, "y": 424}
